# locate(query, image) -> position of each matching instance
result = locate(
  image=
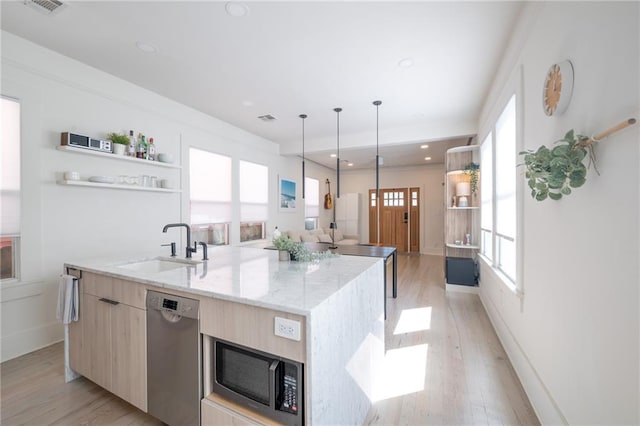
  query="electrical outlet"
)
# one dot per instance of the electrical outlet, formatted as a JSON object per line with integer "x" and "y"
{"x": 289, "y": 329}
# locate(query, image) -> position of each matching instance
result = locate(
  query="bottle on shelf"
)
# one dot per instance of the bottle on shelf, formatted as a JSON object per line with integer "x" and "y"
{"x": 151, "y": 150}
{"x": 131, "y": 149}
{"x": 141, "y": 150}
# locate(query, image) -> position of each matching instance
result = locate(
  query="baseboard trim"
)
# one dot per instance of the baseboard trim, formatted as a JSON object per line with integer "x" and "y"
{"x": 543, "y": 404}
{"x": 30, "y": 340}
{"x": 455, "y": 288}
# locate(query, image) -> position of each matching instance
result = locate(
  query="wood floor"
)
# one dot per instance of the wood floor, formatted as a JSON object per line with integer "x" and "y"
{"x": 460, "y": 372}
{"x": 446, "y": 367}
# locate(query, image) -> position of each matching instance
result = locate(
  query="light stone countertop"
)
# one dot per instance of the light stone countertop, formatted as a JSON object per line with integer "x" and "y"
{"x": 246, "y": 275}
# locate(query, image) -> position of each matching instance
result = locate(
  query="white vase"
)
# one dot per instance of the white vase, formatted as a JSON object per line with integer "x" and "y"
{"x": 119, "y": 148}
{"x": 283, "y": 255}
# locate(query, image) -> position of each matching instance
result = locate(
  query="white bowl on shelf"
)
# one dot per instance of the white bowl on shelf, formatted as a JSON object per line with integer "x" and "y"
{"x": 101, "y": 179}
{"x": 163, "y": 157}
{"x": 72, "y": 176}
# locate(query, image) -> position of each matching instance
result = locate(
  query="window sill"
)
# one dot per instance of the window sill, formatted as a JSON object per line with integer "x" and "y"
{"x": 499, "y": 276}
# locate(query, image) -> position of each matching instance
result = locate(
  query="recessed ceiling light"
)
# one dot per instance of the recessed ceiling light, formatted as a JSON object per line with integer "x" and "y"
{"x": 406, "y": 63}
{"x": 236, "y": 9}
{"x": 146, "y": 47}
{"x": 350, "y": 164}
{"x": 248, "y": 103}
{"x": 333, "y": 156}
{"x": 427, "y": 158}
{"x": 424, "y": 146}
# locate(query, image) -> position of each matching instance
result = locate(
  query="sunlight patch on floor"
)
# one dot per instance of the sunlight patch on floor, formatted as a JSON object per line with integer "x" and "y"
{"x": 417, "y": 319}
{"x": 403, "y": 372}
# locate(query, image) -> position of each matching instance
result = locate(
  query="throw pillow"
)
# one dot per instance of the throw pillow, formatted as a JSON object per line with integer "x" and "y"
{"x": 309, "y": 238}
{"x": 324, "y": 238}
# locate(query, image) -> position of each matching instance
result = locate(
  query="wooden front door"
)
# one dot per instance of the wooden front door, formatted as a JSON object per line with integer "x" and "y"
{"x": 399, "y": 214}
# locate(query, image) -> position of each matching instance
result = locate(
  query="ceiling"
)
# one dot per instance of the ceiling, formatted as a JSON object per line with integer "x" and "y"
{"x": 289, "y": 58}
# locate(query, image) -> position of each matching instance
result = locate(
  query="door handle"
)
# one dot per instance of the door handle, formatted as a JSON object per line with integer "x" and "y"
{"x": 109, "y": 301}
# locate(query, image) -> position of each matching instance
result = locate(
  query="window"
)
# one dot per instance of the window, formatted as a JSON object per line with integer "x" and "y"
{"x": 254, "y": 201}
{"x": 10, "y": 189}
{"x": 210, "y": 198}
{"x": 311, "y": 203}
{"x": 414, "y": 198}
{"x": 393, "y": 199}
{"x": 486, "y": 204}
{"x": 498, "y": 223}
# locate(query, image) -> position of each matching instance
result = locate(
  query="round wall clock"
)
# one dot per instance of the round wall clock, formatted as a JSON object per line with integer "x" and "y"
{"x": 557, "y": 89}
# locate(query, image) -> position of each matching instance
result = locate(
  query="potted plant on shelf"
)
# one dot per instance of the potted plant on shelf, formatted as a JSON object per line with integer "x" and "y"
{"x": 471, "y": 170}
{"x": 120, "y": 142}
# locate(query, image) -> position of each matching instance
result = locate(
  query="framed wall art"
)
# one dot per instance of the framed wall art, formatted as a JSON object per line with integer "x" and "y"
{"x": 287, "y": 199}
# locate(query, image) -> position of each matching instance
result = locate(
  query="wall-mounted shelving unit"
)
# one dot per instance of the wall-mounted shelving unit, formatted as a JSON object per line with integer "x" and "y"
{"x": 67, "y": 148}
{"x": 110, "y": 156}
{"x": 459, "y": 221}
{"x": 114, "y": 186}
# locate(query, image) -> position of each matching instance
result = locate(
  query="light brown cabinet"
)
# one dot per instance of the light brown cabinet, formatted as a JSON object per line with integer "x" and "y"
{"x": 251, "y": 326}
{"x": 218, "y": 411}
{"x": 108, "y": 343}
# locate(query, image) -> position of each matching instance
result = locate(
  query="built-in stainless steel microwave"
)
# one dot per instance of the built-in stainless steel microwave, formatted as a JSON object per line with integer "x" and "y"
{"x": 270, "y": 385}
{"x": 81, "y": 141}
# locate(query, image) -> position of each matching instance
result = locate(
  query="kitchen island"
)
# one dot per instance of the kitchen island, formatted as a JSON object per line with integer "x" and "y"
{"x": 337, "y": 302}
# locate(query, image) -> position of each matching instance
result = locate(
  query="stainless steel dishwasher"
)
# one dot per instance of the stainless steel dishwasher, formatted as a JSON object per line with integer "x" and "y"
{"x": 174, "y": 385}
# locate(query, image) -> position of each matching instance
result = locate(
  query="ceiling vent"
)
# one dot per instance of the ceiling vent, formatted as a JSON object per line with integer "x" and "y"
{"x": 45, "y": 6}
{"x": 267, "y": 117}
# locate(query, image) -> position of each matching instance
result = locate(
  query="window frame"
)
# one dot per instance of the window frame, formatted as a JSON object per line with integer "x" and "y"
{"x": 251, "y": 223}
{"x": 314, "y": 220}
{"x": 15, "y": 237}
{"x": 515, "y": 283}
{"x": 198, "y": 226}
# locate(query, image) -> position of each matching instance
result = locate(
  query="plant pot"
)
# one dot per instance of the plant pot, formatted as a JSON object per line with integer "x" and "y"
{"x": 119, "y": 149}
{"x": 283, "y": 255}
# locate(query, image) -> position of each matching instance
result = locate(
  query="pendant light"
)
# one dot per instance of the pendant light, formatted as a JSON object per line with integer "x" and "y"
{"x": 303, "y": 116}
{"x": 377, "y": 104}
{"x": 337, "y": 110}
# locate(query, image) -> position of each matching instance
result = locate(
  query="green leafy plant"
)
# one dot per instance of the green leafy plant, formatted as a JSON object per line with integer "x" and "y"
{"x": 300, "y": 251}
{"x": 554, "y": 172}
{"x": 471, "y": 170}
{"x": 118, "y": 138}
{"x": 283, "y": 243}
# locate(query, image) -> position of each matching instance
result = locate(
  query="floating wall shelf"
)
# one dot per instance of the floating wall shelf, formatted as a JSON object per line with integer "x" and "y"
{"x": 84, "y": 151}
{"x": 114, "y": 186}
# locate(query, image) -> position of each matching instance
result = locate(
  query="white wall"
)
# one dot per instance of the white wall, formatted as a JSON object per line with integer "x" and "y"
{"x": 61, "y": 223}
{"x": 573, "y": 337}
{"x": 430, "y": 181}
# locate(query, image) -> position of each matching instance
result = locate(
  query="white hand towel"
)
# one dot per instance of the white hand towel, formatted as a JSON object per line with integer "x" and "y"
{"x": 68, "y": 299}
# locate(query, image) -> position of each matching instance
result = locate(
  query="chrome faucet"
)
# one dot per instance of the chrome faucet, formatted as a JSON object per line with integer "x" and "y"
{"x": 189, "y": 248}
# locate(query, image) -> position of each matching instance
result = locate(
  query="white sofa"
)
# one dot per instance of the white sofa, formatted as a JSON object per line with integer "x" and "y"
{"x": 322, "y": 236}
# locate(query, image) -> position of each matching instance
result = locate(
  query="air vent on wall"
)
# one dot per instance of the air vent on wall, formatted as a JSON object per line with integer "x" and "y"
{"x": 266, "y": 117}
{"x": 45, "y": 6}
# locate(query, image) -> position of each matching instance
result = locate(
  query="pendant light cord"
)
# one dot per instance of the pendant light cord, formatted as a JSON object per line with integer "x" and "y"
{"x": 303, "y": 116}
{"x": 337, "y": 110}
{"x": 377, "y": 104}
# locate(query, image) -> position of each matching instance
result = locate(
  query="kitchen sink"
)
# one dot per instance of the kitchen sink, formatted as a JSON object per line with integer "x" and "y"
{"x": 159, "y": 264}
